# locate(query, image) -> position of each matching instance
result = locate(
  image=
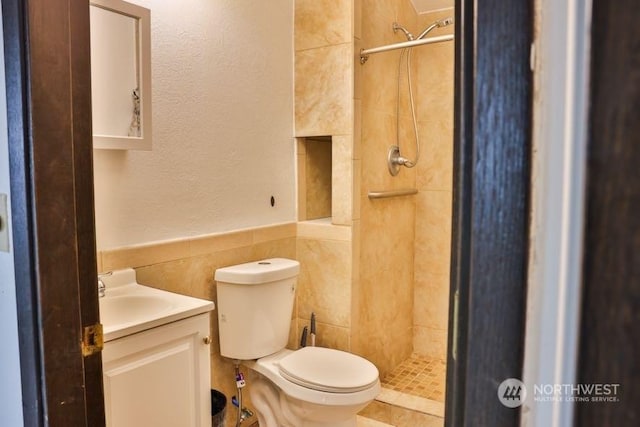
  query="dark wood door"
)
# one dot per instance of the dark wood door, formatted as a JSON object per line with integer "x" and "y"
{"x": 492, "y": 135}
{"x": 47, "y": 62}
{"x": 610, "y": 327}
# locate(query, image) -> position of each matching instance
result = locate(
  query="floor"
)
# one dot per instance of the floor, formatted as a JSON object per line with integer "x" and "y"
{"x": 412, "y": 395}
{"x": 369, "y": 422}
{"x": 380, "y": 414}
{"x": 419, "y": 376}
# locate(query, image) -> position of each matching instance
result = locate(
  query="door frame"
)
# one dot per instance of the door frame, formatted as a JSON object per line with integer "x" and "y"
{"x": 48, "y": 81}
{"x": 492, "y": 157}
{"x": 562, "y": 55}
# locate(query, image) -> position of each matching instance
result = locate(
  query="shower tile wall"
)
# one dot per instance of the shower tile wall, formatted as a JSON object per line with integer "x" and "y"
{"x": 434, "y": 84}
{"x": 325, "y": 288}
{"x": 324, "y": 106}
{"x": 315, "y": 178}
{"x": 376, "y": 273}
{"x": 383, "y": 313}
{"x": 324, "y": 89}
{"x": 328, "y": 97}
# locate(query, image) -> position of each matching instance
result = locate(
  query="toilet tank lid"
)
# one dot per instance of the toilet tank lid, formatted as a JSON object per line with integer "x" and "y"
{"x": 264, "y": 271}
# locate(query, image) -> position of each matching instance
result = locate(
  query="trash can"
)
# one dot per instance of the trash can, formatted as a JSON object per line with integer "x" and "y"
{"x": 218, "y": 408}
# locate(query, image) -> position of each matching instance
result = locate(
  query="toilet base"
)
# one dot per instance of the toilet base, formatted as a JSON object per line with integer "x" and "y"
{"x": 276, "y": 409}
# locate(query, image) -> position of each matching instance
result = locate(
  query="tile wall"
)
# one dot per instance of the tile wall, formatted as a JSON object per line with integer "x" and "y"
{"x": 434, "y": 84}
{"x": 324, "y": 90}
{"x": 315, "y": 172}
{"x": 381, "y": 289}
{"x": 324, "y": 286}
{"x": 384, "y": 311}
{"x": 324, "y": 106}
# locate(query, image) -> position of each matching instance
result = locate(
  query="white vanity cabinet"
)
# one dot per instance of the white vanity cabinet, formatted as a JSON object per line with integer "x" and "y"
{"x": 159, "y": 377}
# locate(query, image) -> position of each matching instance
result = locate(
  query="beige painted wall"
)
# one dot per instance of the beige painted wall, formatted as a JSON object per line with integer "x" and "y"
{"x": 222, "y": 78}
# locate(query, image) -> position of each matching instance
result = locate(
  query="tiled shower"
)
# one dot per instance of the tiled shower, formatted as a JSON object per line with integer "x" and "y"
{"x": 377, "y": 271}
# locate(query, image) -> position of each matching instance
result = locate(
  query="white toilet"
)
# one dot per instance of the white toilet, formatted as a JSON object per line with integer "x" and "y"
{"x": 310, "y": 387}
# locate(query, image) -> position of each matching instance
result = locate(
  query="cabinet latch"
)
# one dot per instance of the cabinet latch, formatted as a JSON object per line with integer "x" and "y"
{"x": 92, "y": 340}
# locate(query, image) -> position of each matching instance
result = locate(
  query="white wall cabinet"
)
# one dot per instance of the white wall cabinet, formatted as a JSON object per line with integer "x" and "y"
{"x": 159, "y": 377}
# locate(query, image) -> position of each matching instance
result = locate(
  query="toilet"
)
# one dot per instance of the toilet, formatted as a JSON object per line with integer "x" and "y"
{"x": 309, "y": 387}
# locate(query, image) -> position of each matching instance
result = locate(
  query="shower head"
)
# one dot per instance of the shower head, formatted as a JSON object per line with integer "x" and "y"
{"x": 437, "y": 24}
{"x": 444, "y": 22}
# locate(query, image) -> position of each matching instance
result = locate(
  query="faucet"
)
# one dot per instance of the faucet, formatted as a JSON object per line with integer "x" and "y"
{"x": 102, "y": 288}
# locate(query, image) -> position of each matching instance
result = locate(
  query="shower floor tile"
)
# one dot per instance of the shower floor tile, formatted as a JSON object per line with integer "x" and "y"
{"x": 419, "y": 376}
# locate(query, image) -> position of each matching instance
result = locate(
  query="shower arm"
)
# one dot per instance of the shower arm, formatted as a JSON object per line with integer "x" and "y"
{"x": 364, "y": 53}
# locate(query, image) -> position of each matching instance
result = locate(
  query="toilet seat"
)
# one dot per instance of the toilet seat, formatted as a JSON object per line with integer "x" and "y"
{"x": 328, "y": 370}
{"x": 269, "y": 367}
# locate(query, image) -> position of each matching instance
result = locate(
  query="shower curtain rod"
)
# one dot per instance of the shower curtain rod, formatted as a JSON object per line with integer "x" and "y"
{"x": 364, "y": 53}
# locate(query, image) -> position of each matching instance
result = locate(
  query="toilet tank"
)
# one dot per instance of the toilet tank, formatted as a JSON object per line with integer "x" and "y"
{"x": 255, "y": 303}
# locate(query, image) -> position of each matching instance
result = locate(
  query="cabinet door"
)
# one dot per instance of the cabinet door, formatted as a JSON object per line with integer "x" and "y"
{"x": 159, "y": 377}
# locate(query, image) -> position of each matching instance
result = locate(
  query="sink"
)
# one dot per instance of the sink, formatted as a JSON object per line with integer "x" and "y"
{"x": 129, "y": 307}
{"x": 119, "y": 310}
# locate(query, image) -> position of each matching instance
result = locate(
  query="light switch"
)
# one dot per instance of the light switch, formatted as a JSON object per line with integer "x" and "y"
{"x": 4, "y": 224}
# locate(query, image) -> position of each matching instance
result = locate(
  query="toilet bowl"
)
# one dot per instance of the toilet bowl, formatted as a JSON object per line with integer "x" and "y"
{"x": 309, "y": 387}
{"x": 312, "y": 387}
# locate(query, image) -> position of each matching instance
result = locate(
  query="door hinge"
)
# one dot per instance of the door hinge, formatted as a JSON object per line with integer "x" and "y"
{"x": 92, "y": 340}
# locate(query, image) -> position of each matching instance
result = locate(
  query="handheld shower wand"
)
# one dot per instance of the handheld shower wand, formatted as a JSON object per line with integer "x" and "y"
{"x": 394, "y": 157}
{"x": 437, "y": 24}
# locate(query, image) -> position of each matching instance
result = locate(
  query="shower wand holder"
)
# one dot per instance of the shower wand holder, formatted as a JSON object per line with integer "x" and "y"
{"x": 394, "y": 160}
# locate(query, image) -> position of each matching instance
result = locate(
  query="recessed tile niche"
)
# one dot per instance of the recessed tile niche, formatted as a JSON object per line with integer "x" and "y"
{"x": 314, "y": 178}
